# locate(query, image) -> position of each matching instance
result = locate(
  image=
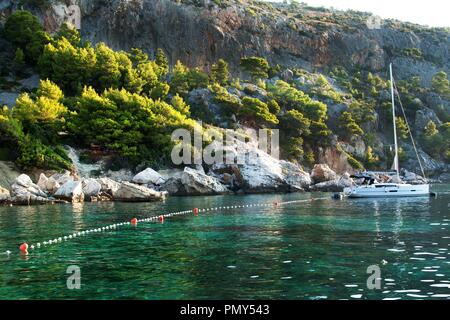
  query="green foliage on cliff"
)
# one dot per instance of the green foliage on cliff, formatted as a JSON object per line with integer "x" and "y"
{"x": 256, "y": 67}
{"x": 136, "y": 127}
{"x": 220, "y": 73}
{"x": 436, "y": 140}
{"x": 31, "y": 128}
{"x": 349, "y": 125}
{"x": 25, "y": 32}
{"x": 255, "y": 110}
{"x": 441, "y": 84}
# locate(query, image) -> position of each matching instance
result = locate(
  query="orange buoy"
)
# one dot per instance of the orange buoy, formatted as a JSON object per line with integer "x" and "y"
{"x": 134, "y": 221}
{"x": 161, "y": 219}
{"x": 24, "y": 247}
{"x": 195, "y": 210}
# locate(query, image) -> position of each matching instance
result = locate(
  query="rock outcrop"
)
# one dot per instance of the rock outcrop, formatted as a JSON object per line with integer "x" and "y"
{"x": 196, "y": 182}
{"x": 49, "y": 185}
{"x": 148, "y": 176}
{"x": 412, "y": 178}
{"x": 295, "y": 177}
{"x": 322, "y": 173}
{"x": 193, "y": 182}
{"x": 71, "y": 191}
{"x": 335, "y": 185}
{"x": 108, "y": 186}
{"x": 130, "y": 192}
{"x": 91, "y": 188}
{"x": 24, "y": 191}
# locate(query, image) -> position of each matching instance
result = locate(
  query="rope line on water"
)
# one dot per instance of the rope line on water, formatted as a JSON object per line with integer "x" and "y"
{"x": 24, "y": 247}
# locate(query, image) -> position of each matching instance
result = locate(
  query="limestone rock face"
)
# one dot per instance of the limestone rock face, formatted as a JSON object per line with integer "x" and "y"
{"x": 412, "y": 178}
{"x": 91, "y": 188}
{"x": 108, "y": 186}
{"x": 196, "y": 182}
{"x": 130, "y": 192}
{"x": 295, "y": 177}
{"x": 322, "y": 173}
{"x": 425, "y": 115}
{"x": 148, "y": 176}
{"x": 258, "y": 171}
{"x": 24, "y": 185}
{"x": 24, "y": 191}
{"x": 49, "y": 185}
{"x": 71, "y": 191}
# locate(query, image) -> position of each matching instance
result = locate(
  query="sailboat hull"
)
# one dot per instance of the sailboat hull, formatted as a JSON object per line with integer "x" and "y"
{"x": 388, "y": 191}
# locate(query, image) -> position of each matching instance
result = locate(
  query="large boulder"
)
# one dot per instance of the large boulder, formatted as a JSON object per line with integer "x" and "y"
{"x": 336, "y": 185}
{"x": 295, "y": 177}
{"x": 71, "y": 191}
{"x": 257, "y": 171}
{"x": 24, "y": 185}
{"x": 5, "y": 196}
{"x": 412, "y": 178}
{"x": 49, "y": 185}
{"x": 91, "y": 188}
{"x": 322, "y": 173}
{"x": 130, "y": 192}
{"x": 24, "y": 191}
{"x": 196, "y": 182}
{"x": 173, "y": 184}
{"x": 148, "y": 176}
{"x": 108, "y": 186}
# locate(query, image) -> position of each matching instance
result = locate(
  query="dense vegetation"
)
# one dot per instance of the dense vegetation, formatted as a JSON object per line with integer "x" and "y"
{"x": 128, "y": 103}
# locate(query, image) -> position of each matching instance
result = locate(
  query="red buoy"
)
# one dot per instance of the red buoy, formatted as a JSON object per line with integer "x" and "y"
{"x": 134, "y": 221}
{"x": 24, "y": 247}
{"x": 161, "y": 219}
{"x": 195, "y": 210}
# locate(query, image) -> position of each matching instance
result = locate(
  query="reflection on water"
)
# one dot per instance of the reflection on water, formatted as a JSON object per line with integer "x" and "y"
{"x": 312, "y": 250}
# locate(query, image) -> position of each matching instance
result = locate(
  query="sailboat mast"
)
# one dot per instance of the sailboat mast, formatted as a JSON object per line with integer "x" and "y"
{"x": 393, "y": 120}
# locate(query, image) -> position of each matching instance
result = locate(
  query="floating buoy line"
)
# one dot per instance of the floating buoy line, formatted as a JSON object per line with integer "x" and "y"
{"x": 24, "y": 248}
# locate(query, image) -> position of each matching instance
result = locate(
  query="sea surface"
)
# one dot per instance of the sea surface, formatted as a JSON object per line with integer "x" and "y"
{"x": 310, "y": 250}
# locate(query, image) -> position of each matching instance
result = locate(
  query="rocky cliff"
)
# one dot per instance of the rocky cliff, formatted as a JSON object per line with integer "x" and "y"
{"x": 200, "y": 32}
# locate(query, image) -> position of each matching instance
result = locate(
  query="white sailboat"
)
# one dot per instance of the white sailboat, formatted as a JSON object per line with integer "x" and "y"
{"x": 373, "y": 189}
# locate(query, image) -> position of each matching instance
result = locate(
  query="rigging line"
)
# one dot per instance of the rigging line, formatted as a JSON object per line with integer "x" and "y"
{"x": 409, "y": 129}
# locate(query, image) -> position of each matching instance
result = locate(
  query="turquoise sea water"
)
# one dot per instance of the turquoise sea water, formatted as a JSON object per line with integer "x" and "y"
{"x": 312, "y": 250}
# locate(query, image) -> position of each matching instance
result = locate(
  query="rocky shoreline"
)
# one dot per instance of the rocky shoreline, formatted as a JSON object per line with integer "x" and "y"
{"x": 149, "y": 185}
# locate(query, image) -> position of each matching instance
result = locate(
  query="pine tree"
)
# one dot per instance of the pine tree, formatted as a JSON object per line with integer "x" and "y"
{"x": 219, "y": 72}
{"x": 162, "y": 61}
{"x": 256, "y": 67}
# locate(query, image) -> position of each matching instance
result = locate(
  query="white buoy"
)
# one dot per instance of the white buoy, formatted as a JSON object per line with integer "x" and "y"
{"x": 8, "y": 252}
{"x": 38, "y": 245}
{"x": 32, "y": 247}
